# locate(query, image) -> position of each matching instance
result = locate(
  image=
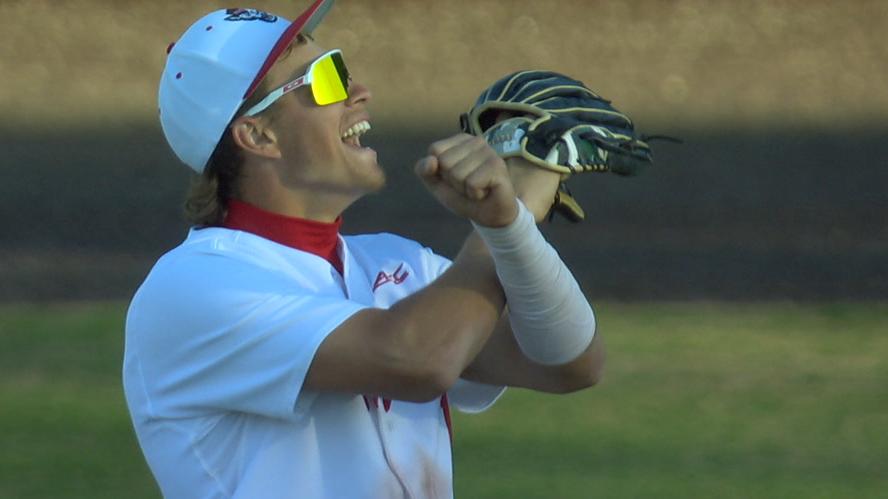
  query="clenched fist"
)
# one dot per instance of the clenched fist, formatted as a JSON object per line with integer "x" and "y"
{"x": 465, "y": 174}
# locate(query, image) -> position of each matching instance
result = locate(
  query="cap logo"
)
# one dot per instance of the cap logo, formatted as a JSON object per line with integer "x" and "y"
{"x": 249, "y": 15}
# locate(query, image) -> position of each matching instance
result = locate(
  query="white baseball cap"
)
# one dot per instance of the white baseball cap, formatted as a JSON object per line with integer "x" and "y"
{"x": 214, "y": 67}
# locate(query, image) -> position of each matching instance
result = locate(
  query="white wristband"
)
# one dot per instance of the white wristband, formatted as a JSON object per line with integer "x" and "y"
{"x": 550, "y": 317}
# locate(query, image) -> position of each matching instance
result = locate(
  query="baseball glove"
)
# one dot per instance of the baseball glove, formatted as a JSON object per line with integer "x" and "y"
{"x": 557, "y": 123}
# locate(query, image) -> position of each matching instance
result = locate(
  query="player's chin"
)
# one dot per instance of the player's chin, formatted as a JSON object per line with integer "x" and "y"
{"x": 376, "y": 182}
{"x": 367, "y": 177}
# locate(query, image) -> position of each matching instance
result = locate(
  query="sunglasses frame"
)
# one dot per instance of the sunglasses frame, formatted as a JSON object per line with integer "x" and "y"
{"x": 301, "y": 81}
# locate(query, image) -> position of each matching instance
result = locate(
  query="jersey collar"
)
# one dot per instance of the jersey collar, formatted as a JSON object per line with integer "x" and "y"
{"x": 318, "y": 238}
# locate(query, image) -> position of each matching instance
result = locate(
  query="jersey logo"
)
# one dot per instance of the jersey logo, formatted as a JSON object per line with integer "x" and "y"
{"x": 249, "y": 15}
{"x": 396, "y": 277}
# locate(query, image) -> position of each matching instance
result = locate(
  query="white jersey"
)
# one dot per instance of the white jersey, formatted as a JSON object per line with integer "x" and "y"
{"x": 219, "y": 339}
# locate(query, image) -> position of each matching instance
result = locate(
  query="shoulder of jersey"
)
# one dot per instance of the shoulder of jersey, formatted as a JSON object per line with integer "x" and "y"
{"x": 234, "y": 245}
{"x": 382, "y": 242}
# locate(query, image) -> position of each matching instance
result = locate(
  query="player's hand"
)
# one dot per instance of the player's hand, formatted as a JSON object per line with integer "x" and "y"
{"x": 534, "y": 186}
{"x": 464, "y": 173}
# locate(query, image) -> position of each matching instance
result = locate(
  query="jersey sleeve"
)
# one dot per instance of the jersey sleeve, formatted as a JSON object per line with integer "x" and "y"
{"x": 226, "y": 338}
{"x": 473, "y": 397}
{"x": 434, "y": 264}
{"x": 467, "y": 396}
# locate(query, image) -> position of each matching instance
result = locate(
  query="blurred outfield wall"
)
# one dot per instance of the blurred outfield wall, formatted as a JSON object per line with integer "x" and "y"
{"x": 779, "y": 191}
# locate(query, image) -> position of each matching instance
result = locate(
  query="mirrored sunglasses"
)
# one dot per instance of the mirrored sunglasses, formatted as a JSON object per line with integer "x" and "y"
{"x": 327, "y": 76}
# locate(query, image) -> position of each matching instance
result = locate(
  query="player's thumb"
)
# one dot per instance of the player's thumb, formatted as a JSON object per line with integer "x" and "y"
{"x": 427, "y": 169}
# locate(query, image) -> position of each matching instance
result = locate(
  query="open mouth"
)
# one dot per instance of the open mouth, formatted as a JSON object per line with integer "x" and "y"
{"x": 352, "y": 136}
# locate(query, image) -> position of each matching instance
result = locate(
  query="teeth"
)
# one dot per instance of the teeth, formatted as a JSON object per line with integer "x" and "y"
{"x": 357, "y": 129}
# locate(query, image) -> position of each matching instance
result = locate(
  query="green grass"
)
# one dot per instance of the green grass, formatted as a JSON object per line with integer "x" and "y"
{"x": 66, "y": 431}
{"x": 699, "y": 400}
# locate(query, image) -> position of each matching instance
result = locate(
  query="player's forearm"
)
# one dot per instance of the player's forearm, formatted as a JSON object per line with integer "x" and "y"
{"x": 502, "y": 363}
{"x": 439, "y": 330}
{"x": 550, "y": 317}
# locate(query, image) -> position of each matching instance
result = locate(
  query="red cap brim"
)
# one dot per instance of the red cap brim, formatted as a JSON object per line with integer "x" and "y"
{"x": 305, "y": 23}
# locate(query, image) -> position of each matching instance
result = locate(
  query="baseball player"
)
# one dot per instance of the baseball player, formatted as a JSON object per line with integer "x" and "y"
{"x": 268, "y": 356}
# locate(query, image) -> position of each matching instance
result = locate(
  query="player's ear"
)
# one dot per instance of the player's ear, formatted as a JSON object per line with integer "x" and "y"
{"x": 254, "y": 136}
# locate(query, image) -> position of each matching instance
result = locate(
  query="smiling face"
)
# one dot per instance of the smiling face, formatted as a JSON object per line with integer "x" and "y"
{"x": 321, "y": 158}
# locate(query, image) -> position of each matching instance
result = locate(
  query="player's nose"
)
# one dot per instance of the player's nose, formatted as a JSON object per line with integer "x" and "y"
{"x": 358, "y": 93}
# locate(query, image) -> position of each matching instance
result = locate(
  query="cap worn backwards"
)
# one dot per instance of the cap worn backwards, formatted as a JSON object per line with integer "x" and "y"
{"x": 214, "y": 67}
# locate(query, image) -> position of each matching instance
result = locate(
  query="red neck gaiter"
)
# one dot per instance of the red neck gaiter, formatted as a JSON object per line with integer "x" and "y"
{"x": 317, "y": 238}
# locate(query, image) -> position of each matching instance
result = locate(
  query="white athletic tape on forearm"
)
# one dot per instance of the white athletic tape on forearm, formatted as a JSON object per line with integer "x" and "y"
{"x": 550, "y": 317}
